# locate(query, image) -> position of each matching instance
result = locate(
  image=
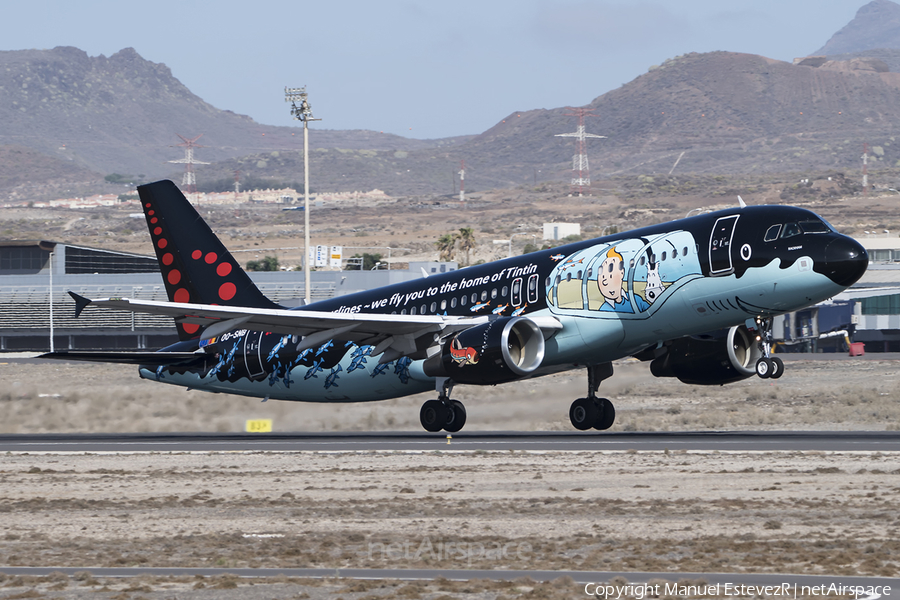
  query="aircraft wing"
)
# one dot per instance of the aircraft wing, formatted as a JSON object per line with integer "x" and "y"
{"x": 393, "y": 335}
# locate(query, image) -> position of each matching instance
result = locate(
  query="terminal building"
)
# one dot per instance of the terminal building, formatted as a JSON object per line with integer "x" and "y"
{"x": 35, "y": 276}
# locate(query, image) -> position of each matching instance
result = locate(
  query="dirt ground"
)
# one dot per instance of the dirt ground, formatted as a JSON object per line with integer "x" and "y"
{"x": 833, "y": 513}
{"x": 51, "y": 396}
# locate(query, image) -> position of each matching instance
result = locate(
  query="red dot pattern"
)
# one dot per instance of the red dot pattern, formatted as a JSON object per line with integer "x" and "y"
{"x": 227, "y": 291}
{"x": 174, "y": 277}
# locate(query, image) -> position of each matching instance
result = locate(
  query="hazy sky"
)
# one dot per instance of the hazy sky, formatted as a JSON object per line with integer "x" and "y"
{"x": 418, "y": 68}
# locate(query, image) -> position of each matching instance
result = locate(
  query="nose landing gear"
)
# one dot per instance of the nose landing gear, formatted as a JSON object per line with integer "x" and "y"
{"x": 443, "y": 413}
{"x": 768, "y": 366}
{"x": 594, "y": 412}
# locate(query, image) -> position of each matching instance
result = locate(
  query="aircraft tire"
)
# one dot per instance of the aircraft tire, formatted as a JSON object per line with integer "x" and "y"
{"x": 584, "y": 413}
{"x": 764, "y": 368}
{"x": 606, "y": 416}
{"x": 457, "y": 418}
{"x": 433, "y": 415}
{"x": 777, "y": 367}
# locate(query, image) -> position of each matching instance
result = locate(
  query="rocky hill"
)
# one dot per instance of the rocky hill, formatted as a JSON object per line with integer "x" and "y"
{"x": 876, "y": 25}
{"x": 122, "y": 114}
{"x": 72, "y": 118}
{"x": 727, "y": 112}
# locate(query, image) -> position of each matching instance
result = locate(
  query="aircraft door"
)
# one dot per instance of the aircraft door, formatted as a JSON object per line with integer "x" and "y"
{"x": 252, "y": 359}
{"x": 720, "y": 245}
{"x": 517, "y": 291}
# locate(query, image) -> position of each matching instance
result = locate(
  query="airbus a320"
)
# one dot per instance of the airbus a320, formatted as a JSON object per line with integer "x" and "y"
{"x": 694, "y": 297}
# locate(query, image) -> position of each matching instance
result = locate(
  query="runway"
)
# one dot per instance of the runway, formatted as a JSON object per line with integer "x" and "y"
{"x": 779, "y": 580}
{"x": 725, "y": 441}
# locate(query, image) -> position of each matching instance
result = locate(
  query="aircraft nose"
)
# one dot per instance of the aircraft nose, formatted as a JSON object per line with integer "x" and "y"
{"x": 845, "y": 261}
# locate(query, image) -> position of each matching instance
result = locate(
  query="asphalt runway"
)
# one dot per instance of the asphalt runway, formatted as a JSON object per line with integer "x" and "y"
{"x": 888, "y": 585}
{"x": 725, "y": 441}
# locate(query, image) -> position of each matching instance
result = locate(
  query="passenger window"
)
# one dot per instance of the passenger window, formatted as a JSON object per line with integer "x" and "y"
{"x": 434, "y": 307}
{"x": 772, "y": 233}
{"x": 484, "y": 295}
{"x": 422, "y": 309}
{"x": 569, "y": 275}
{"x": 674, "y": 252}
{"x": 474, "y": 297}
{"x": 790, "y": 230}
{"x": 684, "y": 251}
{"x": 578, "y": 275}
{"x": 663, "y": 258}
{"x": 412, "y": 310}
{"x": 504, "y": 291}
{"x": 464, "y": 300}
{"x": 453, "y": 302}
{"x": 403, "y": 312}
{"x": 590, "y": 271}
{"x": 493, "y": 293}
{"x": 443, "y": 305}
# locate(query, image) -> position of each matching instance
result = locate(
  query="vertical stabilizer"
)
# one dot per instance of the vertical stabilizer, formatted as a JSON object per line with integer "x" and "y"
{"x": 195, "y": 266}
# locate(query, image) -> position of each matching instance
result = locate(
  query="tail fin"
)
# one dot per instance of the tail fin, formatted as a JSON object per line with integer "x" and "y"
{"x": 195, "y": 266}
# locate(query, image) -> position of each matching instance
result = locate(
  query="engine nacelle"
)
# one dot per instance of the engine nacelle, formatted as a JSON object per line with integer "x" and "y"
{"x": 501, "y": 350}
{"x": 717, "y": 358}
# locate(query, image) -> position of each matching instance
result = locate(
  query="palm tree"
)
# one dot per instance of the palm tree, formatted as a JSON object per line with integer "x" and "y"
{"x": 446, "y": 246}
{"x": 466, "y": 237}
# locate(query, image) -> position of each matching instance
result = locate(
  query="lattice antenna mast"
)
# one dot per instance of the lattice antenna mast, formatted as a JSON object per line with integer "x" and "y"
{"x": 237, "y": 183}
{"x": 581, "y": 172}
{"x": 188, "y": 181}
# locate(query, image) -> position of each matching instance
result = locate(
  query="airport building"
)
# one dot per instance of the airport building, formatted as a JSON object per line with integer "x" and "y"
{"x": 35, "y": 276}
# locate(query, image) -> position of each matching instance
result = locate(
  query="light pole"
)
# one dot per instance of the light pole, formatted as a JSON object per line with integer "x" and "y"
{"x": 303, "y": 113}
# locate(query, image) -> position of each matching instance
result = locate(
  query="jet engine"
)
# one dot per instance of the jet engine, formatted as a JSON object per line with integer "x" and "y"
{"x": 716, "y": 358}
{"x": 501, "y": 350}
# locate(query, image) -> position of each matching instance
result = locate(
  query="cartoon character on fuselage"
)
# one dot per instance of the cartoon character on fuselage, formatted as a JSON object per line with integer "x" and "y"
{"x": 611, "y": 283}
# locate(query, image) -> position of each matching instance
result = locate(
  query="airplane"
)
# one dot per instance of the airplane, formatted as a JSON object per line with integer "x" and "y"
{"x": 693, "y": 297}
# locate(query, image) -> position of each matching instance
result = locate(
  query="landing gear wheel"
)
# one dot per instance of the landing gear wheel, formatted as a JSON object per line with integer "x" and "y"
{"x": 583, "y": 413}
{"x": 777, "y": 367}
{"x": 456, "y": 418}
{"x": 434, "y": 415}
{"x": 606, "y": 416}
{"x": 764, "y": 368}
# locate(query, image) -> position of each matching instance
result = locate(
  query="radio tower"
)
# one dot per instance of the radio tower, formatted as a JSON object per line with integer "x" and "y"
{"x": 580, "y": 170}
{"x": 237, "y": 184}
{"x": 189, "y": 182}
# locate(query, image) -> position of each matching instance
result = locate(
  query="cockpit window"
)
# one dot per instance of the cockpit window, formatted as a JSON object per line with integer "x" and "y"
{"x": 772, "y": 233}
{"x": 813, "y": 226}
{"x": 790, "y": 230}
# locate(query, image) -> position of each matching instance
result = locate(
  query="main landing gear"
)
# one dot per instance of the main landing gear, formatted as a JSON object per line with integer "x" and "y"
{"x": 443, "y": 413}
{"x": 592, "y": 411}
{"x": 768, "y": 366}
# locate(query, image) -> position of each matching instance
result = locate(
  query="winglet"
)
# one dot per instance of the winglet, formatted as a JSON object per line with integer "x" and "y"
{"x": 80, "y": 303}
{"x": 741, "y": 202}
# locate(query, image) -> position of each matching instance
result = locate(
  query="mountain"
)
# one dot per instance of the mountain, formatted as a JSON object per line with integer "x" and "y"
{"x": 78, "y": 118}
{"x": 123, "y": 113}
{"x": 727, "y": 112}
{"x": 876, "y": 25}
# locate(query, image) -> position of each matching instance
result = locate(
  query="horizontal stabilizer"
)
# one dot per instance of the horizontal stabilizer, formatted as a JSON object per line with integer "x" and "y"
{"x": 80, "y": 303}
{"x": 128, "y": 358}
